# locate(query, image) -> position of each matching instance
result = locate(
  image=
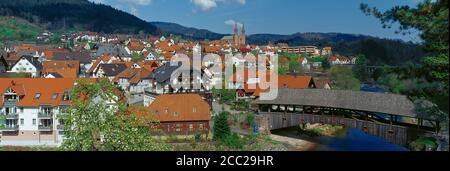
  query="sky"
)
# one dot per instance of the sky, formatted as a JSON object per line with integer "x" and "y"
{"x": 267, "y": 16}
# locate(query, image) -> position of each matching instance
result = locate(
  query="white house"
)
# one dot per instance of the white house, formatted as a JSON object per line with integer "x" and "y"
{"x": 27, "y": 64}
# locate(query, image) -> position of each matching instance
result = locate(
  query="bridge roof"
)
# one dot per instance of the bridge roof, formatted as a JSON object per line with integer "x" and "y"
{"x": 354, "y": 100}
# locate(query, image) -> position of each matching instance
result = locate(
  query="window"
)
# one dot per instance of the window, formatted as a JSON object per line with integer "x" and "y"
{"x": 200, "y": 127}
{"x": 37, "y": 96}
{"x": 178, "y": 128}
{"x": 66, "y": 96}
{"x": 54, "y": 96}
{"x": 175, "y": 114}
{"x": 21, "y": 110}
{"x": 194, "y": 109}
{"x": 191, "y": 127}
{"x": 166, "y": 111}
{"x": 34, "y": 122}
{"x": 22, "y": 122}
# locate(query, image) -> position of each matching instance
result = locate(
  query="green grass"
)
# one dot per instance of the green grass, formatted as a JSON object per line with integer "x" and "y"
{"x": 13, "y": 28}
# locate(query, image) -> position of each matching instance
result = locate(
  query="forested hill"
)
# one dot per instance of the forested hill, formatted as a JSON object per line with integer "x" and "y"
{"x": 379, "y": 51}
{"x": 75, "y": 14}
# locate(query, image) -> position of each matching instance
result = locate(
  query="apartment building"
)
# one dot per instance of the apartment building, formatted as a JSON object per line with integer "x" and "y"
{"x": 30, "y": 110}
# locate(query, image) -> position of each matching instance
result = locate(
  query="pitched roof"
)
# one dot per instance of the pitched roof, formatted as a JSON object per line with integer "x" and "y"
{"x": 164, "y": 72}
{"x": 111, "y": 49}
{"x": 50, "y": 90}
{"x": 66, "y": 69}
{"x": 49, "y": 53}
{"x": 180, "y": 107}
{"x": 135, "y": 46}
{"x": 102, "y": 59}
{"x": 112, "y": 69}
{"x": 293, "y": 81}
{"x": 134, "y": 75}
{"x": 356, "y": 100}
{"x": 32, "y": 61}
{"x": 83, "y": 57}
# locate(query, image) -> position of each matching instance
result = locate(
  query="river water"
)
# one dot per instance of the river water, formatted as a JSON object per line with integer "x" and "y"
{"x": 346, "y": 140}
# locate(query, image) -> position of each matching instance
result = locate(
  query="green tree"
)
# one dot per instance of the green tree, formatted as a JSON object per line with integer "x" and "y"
{"x": 91, "y": 125}
{"x": 326, "y": 64}
{"x": 135, "y": 57}
{"x": 343, "y": 79}
{"x": 359, "y": 69}
{"x": 221, "y": 128}
{"x": 430, "y": 18}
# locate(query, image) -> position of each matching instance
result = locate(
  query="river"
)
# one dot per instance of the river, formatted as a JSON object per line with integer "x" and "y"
{"x": 346, "y": 140}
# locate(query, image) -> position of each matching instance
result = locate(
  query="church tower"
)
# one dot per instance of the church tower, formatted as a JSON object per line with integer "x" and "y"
{"x": 243, "y": 37}
{"x": 236, "y": 38}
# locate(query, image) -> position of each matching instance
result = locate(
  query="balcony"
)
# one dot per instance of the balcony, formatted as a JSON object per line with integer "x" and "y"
{"x": 45, "y": 127}
{"x": 11, "y": 115}
{"x": 43, "y": 115}
{"x": 9, "y": 128}
{"x": 10, "y": 103}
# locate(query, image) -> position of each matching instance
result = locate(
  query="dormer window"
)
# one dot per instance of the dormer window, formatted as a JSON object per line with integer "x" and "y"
{"x": 55, "y": 96}
{"x": 37, "y": 96}
{"x": 66, "y": 96}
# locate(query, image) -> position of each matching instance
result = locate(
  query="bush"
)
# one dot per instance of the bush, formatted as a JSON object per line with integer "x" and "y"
{"x": 232, "y": 141}
{"x": 221, "y": 128}
{"x": 424, "y": 144}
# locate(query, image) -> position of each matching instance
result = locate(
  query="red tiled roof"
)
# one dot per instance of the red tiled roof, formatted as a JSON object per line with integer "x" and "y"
{"x": 29, "y": 87}
{"x": 67, "y": 69}
{"x": 180, "y": 107}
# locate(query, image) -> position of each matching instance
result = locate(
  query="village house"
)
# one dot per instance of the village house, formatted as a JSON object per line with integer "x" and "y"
{"x": 31, "y": 107}
{"x": 109, "y": 71}
{"x": 249, "y": 85}
{"x": 61, "y": 69}
{"x": 27, "y": 64}
{"x": 108, "y": 49}
{"x": 181, "y": 114}
{"x": 104, "y": 59}
{"x": 135, "y": 47}
{"x": 341, "y": 60}
{"x": 83, "y": 57}
{"x": 134, "y": 81}
{"x": 323, "y": 84}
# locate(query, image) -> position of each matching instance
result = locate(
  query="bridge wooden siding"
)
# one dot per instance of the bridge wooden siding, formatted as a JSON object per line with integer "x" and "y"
{"x": 392, "y": 133}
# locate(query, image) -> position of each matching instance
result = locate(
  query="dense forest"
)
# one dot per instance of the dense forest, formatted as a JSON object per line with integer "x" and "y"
{"x": 377, "y": 50}
{"x": 187, "y": 32}
{"x": 75, "y": 14}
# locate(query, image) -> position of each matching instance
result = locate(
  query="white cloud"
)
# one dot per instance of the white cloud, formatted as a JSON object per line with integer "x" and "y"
{"x": 233, "y": 23}
{"x": 206, "y": 5}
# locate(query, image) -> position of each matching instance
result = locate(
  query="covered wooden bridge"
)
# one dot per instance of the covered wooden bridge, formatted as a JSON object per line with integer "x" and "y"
{"x": 389, "y": 116}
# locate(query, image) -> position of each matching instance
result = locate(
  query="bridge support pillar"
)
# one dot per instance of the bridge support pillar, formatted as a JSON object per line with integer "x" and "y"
{"x": 264, "y": 124}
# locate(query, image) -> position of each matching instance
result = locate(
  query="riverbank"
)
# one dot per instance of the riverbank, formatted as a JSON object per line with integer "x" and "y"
{"x": 294, "y": 144}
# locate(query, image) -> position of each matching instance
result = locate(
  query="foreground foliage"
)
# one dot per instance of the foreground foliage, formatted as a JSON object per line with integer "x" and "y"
{"x": 92, "y": 125}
